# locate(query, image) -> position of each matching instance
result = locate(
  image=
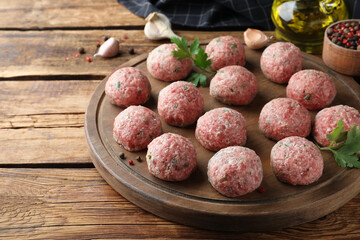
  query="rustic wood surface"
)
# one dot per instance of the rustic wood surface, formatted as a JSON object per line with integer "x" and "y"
{"x": 49, "y": 188}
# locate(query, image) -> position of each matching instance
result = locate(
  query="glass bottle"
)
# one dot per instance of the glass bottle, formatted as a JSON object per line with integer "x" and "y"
{"x": 303, "y": 22}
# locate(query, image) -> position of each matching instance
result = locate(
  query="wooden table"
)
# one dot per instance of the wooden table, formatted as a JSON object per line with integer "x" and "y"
{"x": 49, "y": 187}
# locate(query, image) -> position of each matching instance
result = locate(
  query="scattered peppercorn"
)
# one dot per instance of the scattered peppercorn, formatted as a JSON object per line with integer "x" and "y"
{"x": 89, "y": 59}
{"x": 346, "y": 35}
{"x": 261, "y": 189}
{"x": 104, "y": 38}
{"x": 66, "y": 59}
{"x": 81, "y": 50}
{"x": 131, "y": 162}
{"x": 98, "y": 45}
{"x": 122, "y": 155}
{"x": 125, "y": 36}
{"x": 138, "y": 158}
{"x": 131, "y": 51}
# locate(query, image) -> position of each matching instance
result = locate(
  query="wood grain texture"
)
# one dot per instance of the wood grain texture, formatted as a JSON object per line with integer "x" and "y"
{"x": 28, "y": 100}
{"x": 42, "y": 53}
{"x": 43, "y": 146}
{"x": 78, "y": 204}
{"x": 66, "y": 14}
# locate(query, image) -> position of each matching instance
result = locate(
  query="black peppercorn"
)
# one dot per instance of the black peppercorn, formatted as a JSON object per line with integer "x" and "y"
{"x": 104, "y": 38}
{"x": 131, "y": 51}
{"x": 122, "y": 155}
{"x": 81, "y": 50}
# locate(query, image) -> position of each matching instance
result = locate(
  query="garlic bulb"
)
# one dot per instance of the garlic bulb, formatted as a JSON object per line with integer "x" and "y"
{"x": 255, "y": 39}
{"x": 158, "y": 27}
{"x": 110, "y": 48}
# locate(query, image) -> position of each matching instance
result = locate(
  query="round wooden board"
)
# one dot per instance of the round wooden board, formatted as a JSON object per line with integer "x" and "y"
{"x": 194, "y": 202}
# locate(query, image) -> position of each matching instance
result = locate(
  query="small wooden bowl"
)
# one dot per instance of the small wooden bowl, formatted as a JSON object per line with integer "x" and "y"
{"x": 340, "y": 59}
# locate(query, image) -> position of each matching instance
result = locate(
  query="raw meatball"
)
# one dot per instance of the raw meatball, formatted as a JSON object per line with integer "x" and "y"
{"x": 162, "y": 65}
{"x": 135, "y": 127}
{"x": 225, "y": 51}
{"x": 180, "y": 104}
{"x": 297, "y": 161}
{"x": 234, "y": 85}
{"x": 128, "y": 86}
{"x": 235, "y": 171}
{"x": 326, "y": 121}
{"x": 171, "y": 157}
{"x": 220, "y": 128}
{"x": 284, "y": 117}
{"x": 313, "y": 89}
{"x": 281, "y": 60}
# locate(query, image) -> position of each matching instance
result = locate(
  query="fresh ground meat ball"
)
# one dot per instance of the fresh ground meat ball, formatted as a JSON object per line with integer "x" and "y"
{"x": 281, "y": 60}
{"x": 225, "y": 51}
{"x": 180, "y": 104}
{"x": 135, "y": 127}
{"x": 235, "y": 171}
{"x": 128, "y": 86}
{"x": 284, "y": 117}
{"x": 171, "y": 157}
{"x": 297, "y": 161}
{"x": 234, "y": 85}
{"x": 326, "y": 121}
{"x": 313, "y": 89}
{"x": 162, "y": 65}
{"x": 220, "y": 128}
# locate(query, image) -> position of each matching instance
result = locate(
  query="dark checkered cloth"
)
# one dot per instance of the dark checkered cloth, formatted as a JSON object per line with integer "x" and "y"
{"x": 208, "y": 13}
{"x": 216, "y": 14}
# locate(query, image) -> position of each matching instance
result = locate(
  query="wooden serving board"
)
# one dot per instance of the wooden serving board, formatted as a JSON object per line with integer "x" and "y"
{"x": 194, "y": 202}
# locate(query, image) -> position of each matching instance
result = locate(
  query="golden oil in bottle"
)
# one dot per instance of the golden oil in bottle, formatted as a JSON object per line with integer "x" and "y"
{"x": 303, "y": 22}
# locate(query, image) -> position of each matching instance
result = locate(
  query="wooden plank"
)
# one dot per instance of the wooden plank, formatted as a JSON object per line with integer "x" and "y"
{"x": 65, "y": 14}
{"x": 23, "y": 103}
{"x": 78, "y": 204}
{"x": 42, "y": 54}
{"x": 43, "y": 146}
{"x": 42, "y": 121}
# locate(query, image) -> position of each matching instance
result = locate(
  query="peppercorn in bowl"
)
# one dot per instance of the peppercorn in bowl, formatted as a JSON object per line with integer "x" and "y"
{"x": 341, "y": 50}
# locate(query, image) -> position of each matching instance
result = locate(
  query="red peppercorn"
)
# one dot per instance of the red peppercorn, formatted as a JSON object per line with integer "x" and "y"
{"x": 261, "y": 189}
{"x": 348, "y": 44}
{"x": 125, "y": 37}
{"x": 344, "y": 41}
{"x": 131, "y": 162}
{"x": 66, "y": 59}
{"x": 351, "y": 28}
{"x": 89, "y": 59}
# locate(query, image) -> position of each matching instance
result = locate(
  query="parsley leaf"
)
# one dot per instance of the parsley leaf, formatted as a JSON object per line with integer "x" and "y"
{"x": 194, "y": 47}
{"x": 196, "y": 78}
{"x": 182, "y": 43}
{"x": 201, "y": 60}
{"x": 345, "y": 145}
{"x": 197, "y": 55}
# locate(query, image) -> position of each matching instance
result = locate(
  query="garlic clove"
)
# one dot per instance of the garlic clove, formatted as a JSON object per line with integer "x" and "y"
{"x": 110, "y": 48}
{"x": 255, "y": 39}
{"x": 158, "y": 27}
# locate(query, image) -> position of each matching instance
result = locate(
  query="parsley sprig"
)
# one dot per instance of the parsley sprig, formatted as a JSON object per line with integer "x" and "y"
{"x": 199, "y": 57}
{"x": 345, "y": 145}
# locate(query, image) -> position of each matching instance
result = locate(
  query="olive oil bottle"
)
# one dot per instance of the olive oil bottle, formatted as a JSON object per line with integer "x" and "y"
{"x": 303, "y": 22}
